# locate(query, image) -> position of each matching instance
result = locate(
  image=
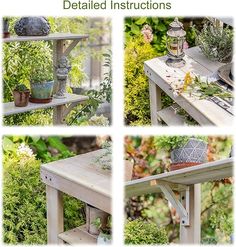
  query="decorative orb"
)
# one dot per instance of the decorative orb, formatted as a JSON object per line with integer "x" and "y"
{"x": 32, "y": 26}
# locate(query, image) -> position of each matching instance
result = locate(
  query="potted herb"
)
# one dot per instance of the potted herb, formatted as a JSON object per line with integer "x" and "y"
{"x": 185, "y": 151}
{"x": 215, "y": 42}
{"x": 92, "y": 214}
{"x": 41, "y": 87}
{"x": 140, "y": 232}
{"x": 104, "y": 236}
{"x": 21, "y": 95}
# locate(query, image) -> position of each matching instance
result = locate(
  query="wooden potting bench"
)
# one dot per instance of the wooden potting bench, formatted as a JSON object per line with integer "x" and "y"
{"x": 61, "y": 47}
{"x": 161, "y": 76}
{"x": 187, "y": 182}
{"x": 83, "y": 178}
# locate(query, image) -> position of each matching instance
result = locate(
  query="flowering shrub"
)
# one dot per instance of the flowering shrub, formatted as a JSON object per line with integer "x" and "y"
{"x": 137, "y": 111}
{"x": 24, "y": 196}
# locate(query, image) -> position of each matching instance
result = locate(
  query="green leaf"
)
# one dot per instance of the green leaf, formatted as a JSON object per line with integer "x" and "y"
{"x": 7, "y": 144}
{"x": 135, "y": 29}
{"x": 141, "y": 21}
{"x": 56, "y": 142}
{"x": 161, "y": 27}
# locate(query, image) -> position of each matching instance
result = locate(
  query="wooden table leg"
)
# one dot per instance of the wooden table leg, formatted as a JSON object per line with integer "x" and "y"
{"x": 192, "y": 234}
{"x": 55, "y": 216}
{"x": 155, "y": 101}
{"x": 58, "y": 116}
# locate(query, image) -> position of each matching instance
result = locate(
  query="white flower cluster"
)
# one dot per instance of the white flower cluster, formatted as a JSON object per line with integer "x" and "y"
{"x": 98, "y": 121}
{"x": 25, "y": 151}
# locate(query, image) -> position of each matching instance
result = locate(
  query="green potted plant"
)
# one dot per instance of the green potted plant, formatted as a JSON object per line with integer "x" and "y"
{"x": 104, "y": 236}
{"x": 21, "y": 95}
{"x": 141, "y": 232}
{"x": 41, "y": 86}
{"x": 185, "y": 151}
{"x": 215, "y": 42}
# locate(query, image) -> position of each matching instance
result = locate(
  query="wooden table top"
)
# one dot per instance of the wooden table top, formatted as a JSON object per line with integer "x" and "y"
{"x": 82, "y": 177}
{"x": 164, "y": 76}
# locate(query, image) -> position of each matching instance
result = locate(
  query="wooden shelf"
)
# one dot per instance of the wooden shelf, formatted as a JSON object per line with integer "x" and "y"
{"x": 78, "y": 235}
{"x": 169, "y": 116}
{"x": 53, "y": 36}
{"x": 10, "y": 109}
{"x": 177, "y": 180}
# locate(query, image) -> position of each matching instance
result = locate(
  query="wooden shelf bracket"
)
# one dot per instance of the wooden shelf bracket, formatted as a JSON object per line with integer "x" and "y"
{"x": 181, "y": 205}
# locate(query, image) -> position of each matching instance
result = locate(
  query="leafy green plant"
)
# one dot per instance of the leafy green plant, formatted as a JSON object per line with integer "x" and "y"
{"x": 104, "y": 230}
{"x": 215, "y": 42}
{"x": 83, "y": 115}
{"x": 21, "y": 88}
{"x": 204, "y": 89}
{"x": 24, "y": 196}
{"x": 141, "y": 232}
{"x": 137, "y": 109}
{"x": 159, "y": 26}
{"x": 172, "y": 142}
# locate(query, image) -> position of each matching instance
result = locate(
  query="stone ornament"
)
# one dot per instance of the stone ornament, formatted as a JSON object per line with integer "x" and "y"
{"x": 32, "y": 26}
{"x": 62, "y": 72}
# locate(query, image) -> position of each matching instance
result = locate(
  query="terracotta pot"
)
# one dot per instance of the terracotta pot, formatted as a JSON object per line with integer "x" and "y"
{"x": 92, "y": 214}
{"x": 21, "y": 99}
{"x": 128, "y": 170}
{"x": 177, "y": 166}
{"x": 194, "y": 152}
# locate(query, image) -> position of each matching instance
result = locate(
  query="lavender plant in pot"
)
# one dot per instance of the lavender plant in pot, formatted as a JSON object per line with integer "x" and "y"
{"x": 185, "y": 151}
{"x": 21, "y": 95}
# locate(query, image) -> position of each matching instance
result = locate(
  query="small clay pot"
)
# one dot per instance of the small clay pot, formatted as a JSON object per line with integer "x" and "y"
{"x": 21, "y": 99}
{"x": 177, "y": 166}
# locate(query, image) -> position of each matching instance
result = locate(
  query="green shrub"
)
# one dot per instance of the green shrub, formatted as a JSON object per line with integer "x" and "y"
{"x": 172, "y": 142}
{"x": 137, "y": 111}
{"x": 24, "y": 198}
{"x": 141, "y": 232}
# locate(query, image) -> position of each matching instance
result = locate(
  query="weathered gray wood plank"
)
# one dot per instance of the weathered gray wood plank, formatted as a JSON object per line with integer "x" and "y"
{"x": 9, "y": 108}
{"x": 210, "y": 171}
{"x": 81, "y": 177}
{"x": 53, "y": 36}
{"x": 78, "y": 235}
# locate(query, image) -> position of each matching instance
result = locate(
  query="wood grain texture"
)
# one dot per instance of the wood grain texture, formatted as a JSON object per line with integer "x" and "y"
{"x": 9, "y": 108}
{"x": 192, "y": 234}
{"x": 55, "y": 216}
{"x": 78, "y": 235}
{"x": 188, "y": 176}
{"x": 82, "y": 178}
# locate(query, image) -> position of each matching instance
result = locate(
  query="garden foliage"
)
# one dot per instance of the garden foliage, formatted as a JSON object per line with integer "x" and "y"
{"x": 137, "y": 51}
{"x": 141, "y": 232}
{"x": 24, "y": 199}
{"x": 26, "y": 61}
{"x": 217, "y": 197}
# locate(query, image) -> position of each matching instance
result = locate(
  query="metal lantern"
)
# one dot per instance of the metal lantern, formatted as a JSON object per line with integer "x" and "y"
{"x": 175, "y": 44}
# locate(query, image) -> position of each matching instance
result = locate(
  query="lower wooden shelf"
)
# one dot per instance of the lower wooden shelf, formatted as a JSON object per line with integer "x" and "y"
{"x": 169, "y": 116}
{"x": 78, "y": 235}
{"x": 10, "y": 109}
